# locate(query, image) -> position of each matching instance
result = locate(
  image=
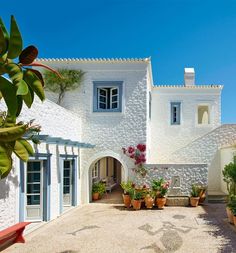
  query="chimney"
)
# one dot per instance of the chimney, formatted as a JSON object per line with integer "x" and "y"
{"x": 189, "y": 77}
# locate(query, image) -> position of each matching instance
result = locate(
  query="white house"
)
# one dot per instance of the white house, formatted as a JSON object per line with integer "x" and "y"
{"x": 118, "y": 105}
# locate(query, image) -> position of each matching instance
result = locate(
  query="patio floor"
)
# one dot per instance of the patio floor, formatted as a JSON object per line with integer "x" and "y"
{"x": 109, "y": 228}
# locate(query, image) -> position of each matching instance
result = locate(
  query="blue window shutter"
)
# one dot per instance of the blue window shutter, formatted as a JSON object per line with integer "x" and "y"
{"x": 175, "y": 113}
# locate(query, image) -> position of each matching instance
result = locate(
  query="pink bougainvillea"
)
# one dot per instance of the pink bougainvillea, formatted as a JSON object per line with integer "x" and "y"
{"x": 137, "y": 153}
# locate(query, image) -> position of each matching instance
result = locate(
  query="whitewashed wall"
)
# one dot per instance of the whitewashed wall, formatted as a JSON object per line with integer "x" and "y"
{"x": 167, "y": 138}
{"x": 109, "y": 131}
{"x": 57, "y": 122}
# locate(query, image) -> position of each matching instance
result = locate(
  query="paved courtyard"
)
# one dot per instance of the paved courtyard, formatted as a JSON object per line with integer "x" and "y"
{"x": 102, "y": 228}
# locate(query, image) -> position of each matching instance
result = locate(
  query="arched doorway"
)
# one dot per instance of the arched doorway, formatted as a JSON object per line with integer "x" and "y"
{"x": 108, "y": 171}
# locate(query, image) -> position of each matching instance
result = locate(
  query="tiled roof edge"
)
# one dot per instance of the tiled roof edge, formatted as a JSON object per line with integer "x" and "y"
{"x": 97, "y": 60}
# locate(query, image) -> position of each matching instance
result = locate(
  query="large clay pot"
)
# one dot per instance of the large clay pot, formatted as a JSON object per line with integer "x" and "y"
{"x": 136, "y": 204}
{"x": 194, "y": 201}
{"x": 95, "y": 196}
{"x": 160, "y": 202}
{"x": 149, "y": 201}
{"x": 127, "y": 200}
{"x": 234, "y": 217}
{"x": 230, "y": 215}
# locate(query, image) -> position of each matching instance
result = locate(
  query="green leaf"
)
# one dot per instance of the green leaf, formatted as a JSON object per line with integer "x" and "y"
{"x": 3, "y": 43}
{"x": 10, "y": 121}
{"x": 9, "y": 94}
{"x": 21, "y": 151}
{"x": 22, "y": 88}
{"x": 19, "y": 105}
{"x": 5, "y": 161}
{"x": 15, "y": 42}
{"x": 29, "y": 97}
{"x": 15, "y": 72}
{"x": 8, "y": 134}
{"x": 4, "y": 38}
{"x": 27, "y": 146}
{"x": 34, "y": 82}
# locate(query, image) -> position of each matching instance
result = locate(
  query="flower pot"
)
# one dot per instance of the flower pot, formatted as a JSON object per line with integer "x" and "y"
{"x": 95, "y": 196}
{"x": 202, "y": 196}
{"x": 136, "y": 204}
{"x": 194, "y": 201}
{"x": 127, "y": 200}
{"x": 230, "y": 215}
{"x": 149, "y": 201}
{"x": 234, "y": 218}
{"x": 160, "y": 202}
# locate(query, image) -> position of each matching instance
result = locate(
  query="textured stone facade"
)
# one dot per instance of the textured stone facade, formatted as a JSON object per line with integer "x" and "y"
{"x": 182, "y": 176}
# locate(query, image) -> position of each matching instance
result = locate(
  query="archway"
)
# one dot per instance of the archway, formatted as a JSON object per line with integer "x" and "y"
{"x": 107, "y": 167}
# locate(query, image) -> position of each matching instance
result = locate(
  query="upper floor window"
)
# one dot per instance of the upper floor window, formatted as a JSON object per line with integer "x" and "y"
{"x": 175, "y": 113}
{"x": 107, "y": 96}
{"x": 203, "y": 115}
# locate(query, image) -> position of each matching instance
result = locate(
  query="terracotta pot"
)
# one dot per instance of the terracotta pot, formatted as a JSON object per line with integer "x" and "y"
{"x": 95, "y": 196}
{"x": 127, "y": 200}
{"x": 149, "y": 201}
{"x": 202, "y": 196}
{"x": 136, "y": 204}
{"x": 230, "y": 215}
{"x": 194, "y": 201}
{"x": 160, "y": 202}
{"x": 234, "y": 217}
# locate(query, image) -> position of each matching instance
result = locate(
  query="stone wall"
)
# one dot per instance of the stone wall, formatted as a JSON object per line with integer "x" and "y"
{"x": 182, "y": 176}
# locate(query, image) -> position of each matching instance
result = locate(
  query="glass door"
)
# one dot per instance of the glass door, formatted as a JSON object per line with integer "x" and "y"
{"x": 34, "y": 190}
{"x": 67, "y": 183}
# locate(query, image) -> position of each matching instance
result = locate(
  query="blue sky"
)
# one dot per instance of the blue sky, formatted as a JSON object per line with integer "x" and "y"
{"x": 175, "y": 33}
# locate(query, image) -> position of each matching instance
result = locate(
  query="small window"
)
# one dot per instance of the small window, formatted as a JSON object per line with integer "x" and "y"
{"x": 95, "y": 170}
{"x": 107, "y": 97}
{"x": 175, "y": 113}
{"x": 203, "y": 115}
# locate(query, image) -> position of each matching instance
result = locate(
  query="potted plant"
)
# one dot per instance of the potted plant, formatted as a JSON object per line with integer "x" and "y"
{"x": 136, "y": 197}
{"x": 95, "y": 191}
{"x": 194, "y": 198}
{"x": 150, "y": 199}
{"x": 202, "y": 193}
{"x": 101, "y": 189}
{"x": 127, "y": 187}
{"x": 229, "y": 210}
{"x": 161, "y": 187}
{"x": 233, "y": 209}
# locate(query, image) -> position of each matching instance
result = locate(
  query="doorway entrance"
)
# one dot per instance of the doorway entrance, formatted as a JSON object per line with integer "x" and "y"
{"x": 109, "y": 171}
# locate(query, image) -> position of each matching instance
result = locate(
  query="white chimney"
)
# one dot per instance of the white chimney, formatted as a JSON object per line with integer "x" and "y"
{"x": 189, "y": 77}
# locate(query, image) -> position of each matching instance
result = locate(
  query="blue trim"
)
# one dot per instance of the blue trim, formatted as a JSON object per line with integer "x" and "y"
{"x": 45, "y": 157}
{"x": 178, "y": 106}
{"x": 22, "y": 192}
{"x": 104, "y": 84}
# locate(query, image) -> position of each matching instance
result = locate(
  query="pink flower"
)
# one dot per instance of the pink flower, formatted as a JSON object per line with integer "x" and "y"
{"x": 141, "y": 147}
{"x": 130, "y": 149}
{"x": 132, "y": 156}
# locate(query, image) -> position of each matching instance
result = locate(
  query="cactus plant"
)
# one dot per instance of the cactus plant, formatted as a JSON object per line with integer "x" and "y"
{"x": 20, "y": 87}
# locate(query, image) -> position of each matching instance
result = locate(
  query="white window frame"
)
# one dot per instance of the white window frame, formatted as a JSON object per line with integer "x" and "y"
{"x": 95, "y": 171}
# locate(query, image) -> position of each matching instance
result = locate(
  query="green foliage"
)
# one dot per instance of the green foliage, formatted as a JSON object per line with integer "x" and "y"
{"x": 195, "y": 191}
{"x": 136, "y": 194}
{"x": 19, "y": 88}
{"x": 161, "y": 187}
{"x": 126, "y": 186}
{"x": 71, "y": 79}
{"x": 99, "y": 187}
{"x": 229, "y": 176}
{"x": 232, "y": 204}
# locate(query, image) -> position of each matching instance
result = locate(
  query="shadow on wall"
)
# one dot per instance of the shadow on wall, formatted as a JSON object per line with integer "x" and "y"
{"x": 5, "y": 185}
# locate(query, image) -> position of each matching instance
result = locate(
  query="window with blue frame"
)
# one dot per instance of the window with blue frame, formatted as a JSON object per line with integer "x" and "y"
{"x": 175, "y": 113}
{"x": 107, "y": 96}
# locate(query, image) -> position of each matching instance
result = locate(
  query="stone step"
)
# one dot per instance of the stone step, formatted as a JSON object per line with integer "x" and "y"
{"x": 217, "y": 198}
{"x": 177, "y": 201}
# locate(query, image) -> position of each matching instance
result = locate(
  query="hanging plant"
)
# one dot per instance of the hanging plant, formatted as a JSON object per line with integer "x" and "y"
{"x": 138, "y": 154}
